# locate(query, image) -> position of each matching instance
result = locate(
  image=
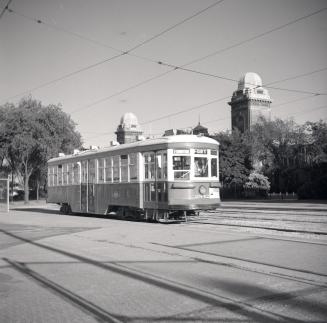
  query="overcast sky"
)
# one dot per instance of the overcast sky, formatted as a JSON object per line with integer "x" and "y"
{"x": 82, "y": 37}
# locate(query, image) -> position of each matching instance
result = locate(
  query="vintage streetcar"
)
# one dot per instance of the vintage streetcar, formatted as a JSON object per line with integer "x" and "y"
{"x": 161, "y": 179}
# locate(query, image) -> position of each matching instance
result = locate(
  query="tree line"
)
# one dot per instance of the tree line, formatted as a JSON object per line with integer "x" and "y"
{"x": 30, "y": 134}
{"x": 276, "y": 156}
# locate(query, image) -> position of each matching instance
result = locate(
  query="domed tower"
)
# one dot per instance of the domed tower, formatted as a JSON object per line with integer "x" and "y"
{"x": 129, "y": 129}
{"x": 250, "y": 101}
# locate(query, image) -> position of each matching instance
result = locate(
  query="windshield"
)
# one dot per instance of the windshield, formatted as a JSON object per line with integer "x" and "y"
{"x": 200, "y": 166}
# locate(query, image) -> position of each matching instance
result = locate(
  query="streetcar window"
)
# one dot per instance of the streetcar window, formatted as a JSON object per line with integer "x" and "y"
{"x": 92, "y": 177}
{"x": 108, "y": 170}
{"x": 70, "y": 174}
{"x": 76, "y": 176}
{"x": 59, "y": 174}
{"x": 214, "y": 168}
{"x": 149, "y": 166}
{"x": 133, "y": 166}
{"x": 115, "y": 168}
{"x": 55, "y": 176}
{"x": 64, "y": 174}
{"x": 67, "y": 173}
{"x": 164, "y": 165}
{"x": 181, "y": 167}
{"x": 50, "y": 176}
{"x": 84, "y": 171}
{"x": 159, "y": 166}
{"x": 200, "y": 167}
{"x": 124, "y": 168}
{"x": 214, "y": 152}
{"x": 101, "y": 170}
{"x": 181, "y": 162}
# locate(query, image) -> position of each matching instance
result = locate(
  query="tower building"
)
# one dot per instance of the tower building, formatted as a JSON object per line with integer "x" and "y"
{"x": 249, "y": 102}
{"x": 129, "y": 129}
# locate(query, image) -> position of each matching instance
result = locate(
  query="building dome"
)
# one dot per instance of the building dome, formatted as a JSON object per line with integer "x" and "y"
{"x": 129, "y": 121}
{"x": 249, "y": 80}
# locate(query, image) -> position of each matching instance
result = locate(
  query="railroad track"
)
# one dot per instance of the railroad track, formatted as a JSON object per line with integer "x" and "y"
{"x": 262, "y": 223}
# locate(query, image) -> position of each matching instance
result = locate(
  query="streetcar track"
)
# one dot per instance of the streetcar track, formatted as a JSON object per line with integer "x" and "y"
{"x": 218, "y": 217}
{"x": 257, "y": 227}
{"x": 241, "y": 307}
{"x": 244, "y": 260}
{"x": 275, "y": 208}
{"x": 275, "y": 212}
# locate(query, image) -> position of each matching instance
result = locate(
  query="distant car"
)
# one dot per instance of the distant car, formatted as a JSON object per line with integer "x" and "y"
{"x": 17, "y": 194}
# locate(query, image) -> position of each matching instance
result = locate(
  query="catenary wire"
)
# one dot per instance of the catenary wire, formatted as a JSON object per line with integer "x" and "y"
{"x": 298, "y": 76}
{"x": 256, "y": 36}
{"x": 295, "y": 100}
{"x": 121, "y": 52}
{"x": 234, "y": 80}
{"x": 5, "y": 8}
{"x": 203, "y": 105}
{"x": 182, "y": 66}
{"x": 176, "y": 25}
{"x": 172, "y": 114}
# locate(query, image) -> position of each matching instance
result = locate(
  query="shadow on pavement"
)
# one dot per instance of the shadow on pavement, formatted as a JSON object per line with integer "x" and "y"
{"x": 35, "y": 210}
{"x": 248, "y": 310}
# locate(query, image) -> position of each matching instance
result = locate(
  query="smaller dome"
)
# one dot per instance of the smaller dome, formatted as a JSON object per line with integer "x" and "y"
{"x": 249, "y": 80}
{"x": 129, "y": 120}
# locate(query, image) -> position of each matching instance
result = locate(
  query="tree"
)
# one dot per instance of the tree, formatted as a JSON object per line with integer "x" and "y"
{"x": 234, "y": 159}
{"x": 258, "y": 183}
{"x": 277, "y": 145}
{"x": 316, "y": 133}
{"x": 31, "y": 133}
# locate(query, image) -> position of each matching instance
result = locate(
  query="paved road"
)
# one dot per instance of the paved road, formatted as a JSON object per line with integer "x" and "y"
{"x": 56, "y": 268}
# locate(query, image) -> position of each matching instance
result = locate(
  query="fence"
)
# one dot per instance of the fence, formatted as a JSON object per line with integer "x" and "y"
{"x": 4, "y": 195}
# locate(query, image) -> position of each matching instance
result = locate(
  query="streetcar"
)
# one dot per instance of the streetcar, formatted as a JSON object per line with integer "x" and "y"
{"x": 162, "y": 179}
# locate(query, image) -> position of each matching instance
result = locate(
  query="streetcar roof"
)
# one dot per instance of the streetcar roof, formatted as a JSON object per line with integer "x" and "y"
{"x": 165, "y": 140}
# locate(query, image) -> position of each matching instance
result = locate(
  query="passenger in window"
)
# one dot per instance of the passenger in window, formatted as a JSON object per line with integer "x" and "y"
{"x": 201, "y": 167}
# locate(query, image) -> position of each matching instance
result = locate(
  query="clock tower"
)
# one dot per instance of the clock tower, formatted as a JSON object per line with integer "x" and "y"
{"x": 249, "y": 102}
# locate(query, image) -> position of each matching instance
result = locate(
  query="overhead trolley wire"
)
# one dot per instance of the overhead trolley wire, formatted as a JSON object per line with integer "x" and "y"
{"x": 176, "y": 25}
{"x": 122, "y": 52}
{"x": 119, "y": 92}
{"x": 185, "y": 110}
{"x": 175, "y": 67}
{"x": 295, "y": 100}
{"x": 256, "y": 37}
{"x": 297, "y": 76}
{"x": 5, "y": 8}
{"x": 159, "y": 62}
{"x": 65, "y": 76}
{"x": 172, "y": 114}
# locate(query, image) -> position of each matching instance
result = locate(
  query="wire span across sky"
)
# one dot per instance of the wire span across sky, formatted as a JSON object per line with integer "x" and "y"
{"x": 78, "y": 59}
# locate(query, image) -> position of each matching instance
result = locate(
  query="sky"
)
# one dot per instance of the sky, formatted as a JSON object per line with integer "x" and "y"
{"x": 73, "y": 53}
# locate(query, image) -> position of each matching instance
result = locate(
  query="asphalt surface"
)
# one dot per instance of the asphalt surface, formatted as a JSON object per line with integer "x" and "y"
{"x": 56, "y": 268}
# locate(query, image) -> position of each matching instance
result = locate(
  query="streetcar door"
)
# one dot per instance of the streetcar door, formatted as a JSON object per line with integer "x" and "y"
{"x": 155, "y": 177}
{"x": 91, "y": 186}
{"x": 161, "y": 179}
{"x": 84, "y": 186}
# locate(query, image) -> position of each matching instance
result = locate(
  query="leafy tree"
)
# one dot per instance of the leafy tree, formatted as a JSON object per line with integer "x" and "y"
{"x": 258, "y": 181}
{"x": 31, "y": 133}
{"x": 235, "y": 158}
{"x": 293, "y": 156}
{"x": 316, "y": 139}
